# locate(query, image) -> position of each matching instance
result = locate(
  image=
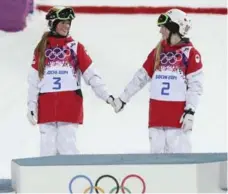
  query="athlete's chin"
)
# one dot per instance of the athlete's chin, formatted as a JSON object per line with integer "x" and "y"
{"x": 63, "y": 33}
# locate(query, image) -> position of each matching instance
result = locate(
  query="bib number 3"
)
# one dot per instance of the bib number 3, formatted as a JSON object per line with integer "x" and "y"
{"x": 57, "y": 83}
{"x": 165, "y": 88}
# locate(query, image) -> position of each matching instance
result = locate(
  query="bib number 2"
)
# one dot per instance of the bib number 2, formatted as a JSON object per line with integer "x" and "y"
{"x": 165, "y": 88}
{"x": 57, "y": 83}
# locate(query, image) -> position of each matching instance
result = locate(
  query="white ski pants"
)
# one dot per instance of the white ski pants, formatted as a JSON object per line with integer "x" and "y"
{"x": 169, "y": 140}
{"x": 58, "y": 138}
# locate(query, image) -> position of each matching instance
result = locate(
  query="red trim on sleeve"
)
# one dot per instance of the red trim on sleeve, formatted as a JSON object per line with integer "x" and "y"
{"x": 83, "y": 58}
{"x": 195, "y": 61}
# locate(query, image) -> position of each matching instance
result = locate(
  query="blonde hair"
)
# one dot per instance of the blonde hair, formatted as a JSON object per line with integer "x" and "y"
{"x": 157, "y": 55}
{"x": 40, "y": 50}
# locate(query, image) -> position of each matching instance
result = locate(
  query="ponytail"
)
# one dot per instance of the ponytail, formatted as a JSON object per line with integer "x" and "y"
{"x": 40, "y": 50}
{"x": 157, "y": 55}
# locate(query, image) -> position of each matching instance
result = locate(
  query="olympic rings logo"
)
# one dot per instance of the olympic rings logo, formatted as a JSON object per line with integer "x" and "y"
{"x": 57, "y": 53}
{"x": 170, "y": 58}
{"x": 115, "y": 189}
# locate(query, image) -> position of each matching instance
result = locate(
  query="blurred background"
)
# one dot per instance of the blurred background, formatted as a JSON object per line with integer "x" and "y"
{"x": 118, "y": 35}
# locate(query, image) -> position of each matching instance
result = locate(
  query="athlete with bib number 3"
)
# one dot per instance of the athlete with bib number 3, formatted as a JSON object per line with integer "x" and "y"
{"x": 174, "y": 70}
{"x": 55, "y": 99}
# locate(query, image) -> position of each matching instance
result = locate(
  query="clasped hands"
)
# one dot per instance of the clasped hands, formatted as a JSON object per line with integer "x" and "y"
{"x": 116, "y": 103}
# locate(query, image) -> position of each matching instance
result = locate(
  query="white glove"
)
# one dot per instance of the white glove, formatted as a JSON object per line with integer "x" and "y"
{"x": 32, "y": 114}
{"x": 32, "y": 117}
{"x": 119, "y": 105}
{"x": 110, "y": 101}
{"x": 187, "y": 119}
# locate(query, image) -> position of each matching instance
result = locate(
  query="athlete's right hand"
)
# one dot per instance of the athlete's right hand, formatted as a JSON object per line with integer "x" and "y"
{"x": 32, "y": 114}
{"x": 32, "y": 117}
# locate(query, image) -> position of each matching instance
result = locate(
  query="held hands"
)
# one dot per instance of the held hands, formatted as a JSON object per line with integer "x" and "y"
{"x": 116, "y": 103}
{"x": 187, "y": 119}
{"x": 119, "y": 105}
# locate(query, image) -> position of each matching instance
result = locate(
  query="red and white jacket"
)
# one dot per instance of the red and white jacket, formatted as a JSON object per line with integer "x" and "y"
{"x": 175, "y": 85}
{"x": 57, "y": 96}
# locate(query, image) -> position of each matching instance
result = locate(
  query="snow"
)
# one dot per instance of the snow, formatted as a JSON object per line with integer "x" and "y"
{"x": 118, "y": 45}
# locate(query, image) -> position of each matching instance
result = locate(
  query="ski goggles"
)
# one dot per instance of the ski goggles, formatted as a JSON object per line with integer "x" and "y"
{"x": 163, "y": 19}
{"x": 62, "y": 14}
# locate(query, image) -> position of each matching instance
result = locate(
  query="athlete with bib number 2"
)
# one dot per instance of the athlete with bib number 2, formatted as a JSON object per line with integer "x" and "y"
{"x": 55, "y": 98}
{"x": 174, "y": 70}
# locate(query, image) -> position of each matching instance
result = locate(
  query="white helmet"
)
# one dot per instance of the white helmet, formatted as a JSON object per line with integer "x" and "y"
{"x": 178, "y": 17}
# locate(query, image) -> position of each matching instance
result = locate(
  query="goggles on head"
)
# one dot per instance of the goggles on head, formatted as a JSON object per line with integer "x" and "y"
{"x": 62, "y": 14}
{"x": 163, "y": 19}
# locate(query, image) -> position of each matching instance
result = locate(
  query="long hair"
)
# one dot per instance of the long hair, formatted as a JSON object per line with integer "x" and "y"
{"x": 157, "y": 55}
{"x": 40, "y": 50}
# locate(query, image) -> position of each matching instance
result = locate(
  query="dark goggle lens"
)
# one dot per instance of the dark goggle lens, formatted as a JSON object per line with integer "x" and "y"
{"x": 67, "y": 13}
{"x": 163, "y": 19}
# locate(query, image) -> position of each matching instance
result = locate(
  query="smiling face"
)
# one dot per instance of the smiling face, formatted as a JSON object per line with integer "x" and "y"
{"x": 63, "y": 28}
{"x": 164, "y": 32}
